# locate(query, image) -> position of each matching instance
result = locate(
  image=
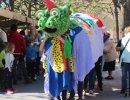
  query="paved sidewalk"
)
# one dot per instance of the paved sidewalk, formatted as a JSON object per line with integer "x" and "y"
{"x": 35, "y": 91}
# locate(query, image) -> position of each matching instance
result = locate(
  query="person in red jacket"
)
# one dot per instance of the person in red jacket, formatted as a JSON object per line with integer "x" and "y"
{"x": 18, "y": 40}
{"x": 19, "y": 53}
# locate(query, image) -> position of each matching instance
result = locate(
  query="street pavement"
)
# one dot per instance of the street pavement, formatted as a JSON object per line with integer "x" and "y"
{"x": 34, "y": 91}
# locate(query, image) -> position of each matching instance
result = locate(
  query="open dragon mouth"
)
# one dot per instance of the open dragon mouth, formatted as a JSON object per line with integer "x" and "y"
{"x": 50, "y": 30}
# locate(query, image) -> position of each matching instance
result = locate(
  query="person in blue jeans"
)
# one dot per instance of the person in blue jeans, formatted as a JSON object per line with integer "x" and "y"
{"x": 126, "y": 76}
{"x": 125, "y": 60}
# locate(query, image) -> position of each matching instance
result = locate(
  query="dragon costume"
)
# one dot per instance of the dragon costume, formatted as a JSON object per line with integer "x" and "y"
{"x": 69, "y": 61}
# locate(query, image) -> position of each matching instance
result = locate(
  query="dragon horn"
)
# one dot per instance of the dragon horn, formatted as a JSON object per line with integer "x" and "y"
{"x": 50, "y": 4}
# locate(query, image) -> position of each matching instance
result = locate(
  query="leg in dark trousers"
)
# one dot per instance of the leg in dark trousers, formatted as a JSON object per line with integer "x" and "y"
{"x": 72, "y": 95}
{"x": 64, "y": 95}
{"x": 2, "y": 86}
{"x": 58, "y": 98}
{"x": 24, "y": 71}
{"x": 91, "y": 76}
{"x": 80, "y": 89}
{"x": 129, "y": 81}
{"x": 28, "y": 69}
{"x": 31, "y": 70}
{"x": 15, "y": 71}
{"x": 126, "y": 77}
{"x": 33, "y": 64}
{"x": 91, "y": 79}
{"x": 21, "y": 68}
{"x": 15, "y": 75}
{"x": 8, "y": 78}
{"x": 86, "y": 82}
{"x": 122, "y": 83}
{"x": 98, "y": 69}
{"x": 37, "y": 67}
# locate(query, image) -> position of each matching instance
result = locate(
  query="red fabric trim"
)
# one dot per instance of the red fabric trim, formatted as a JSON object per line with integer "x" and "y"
{"x": 63, "y": 57}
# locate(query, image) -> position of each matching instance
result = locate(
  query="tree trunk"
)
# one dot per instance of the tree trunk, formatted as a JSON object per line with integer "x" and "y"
{"x": 29, "y": 10}
{"x": 126, "y": 20}
{"x": 12, "y": 5}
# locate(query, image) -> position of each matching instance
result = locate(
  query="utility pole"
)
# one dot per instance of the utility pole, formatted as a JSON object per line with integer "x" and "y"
{"x": 116, "y": 18}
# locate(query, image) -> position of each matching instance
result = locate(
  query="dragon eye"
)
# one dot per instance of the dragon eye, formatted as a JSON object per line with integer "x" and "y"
{"x": 54, "y": 13}
{"x": 40, "y": 14}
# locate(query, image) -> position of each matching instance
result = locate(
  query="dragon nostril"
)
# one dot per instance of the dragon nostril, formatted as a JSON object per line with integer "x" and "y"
{"x": 49, "y": 24}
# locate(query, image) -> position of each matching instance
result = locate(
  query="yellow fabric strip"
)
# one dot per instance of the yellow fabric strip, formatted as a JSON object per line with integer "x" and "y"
{"x": 58, "y": 64}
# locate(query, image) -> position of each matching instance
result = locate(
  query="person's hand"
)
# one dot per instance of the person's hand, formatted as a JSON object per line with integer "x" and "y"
{"x": 10, "y": 70}
{"x": 42, "y": 70}
{"x": 119, "y": 48}
{"x": 17, "y": 62}
{"x": 43, "y": 43}
{"x": 33, "y": 58}
{"x": 105, "y": 52}
{"x": 41, "y": 66}
{"x": 45, "y": 38}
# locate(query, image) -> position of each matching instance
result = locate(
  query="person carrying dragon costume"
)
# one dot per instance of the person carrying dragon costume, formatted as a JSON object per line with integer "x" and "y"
{"x": 66, "y": 50}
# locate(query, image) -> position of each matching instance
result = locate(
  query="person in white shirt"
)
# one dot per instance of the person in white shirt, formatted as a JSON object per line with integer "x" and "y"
{"x": 125, "y": 59}
{"x": 3, "y": 35}
{"x": 9, "y": 59}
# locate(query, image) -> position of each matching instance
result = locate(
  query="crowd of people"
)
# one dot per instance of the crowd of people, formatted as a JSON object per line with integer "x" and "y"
{"x": 20, "y": 60}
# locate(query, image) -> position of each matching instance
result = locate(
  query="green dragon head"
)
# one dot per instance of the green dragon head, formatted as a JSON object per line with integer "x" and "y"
{"x": 54, "y": 20}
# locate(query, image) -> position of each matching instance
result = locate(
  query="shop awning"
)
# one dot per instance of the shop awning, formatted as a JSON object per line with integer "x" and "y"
{"x": 7, "y": 18}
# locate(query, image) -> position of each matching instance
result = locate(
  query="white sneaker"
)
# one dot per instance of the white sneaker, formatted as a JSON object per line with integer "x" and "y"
{"x": 9, "y": 91}
{"x": 35, "y": 77}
